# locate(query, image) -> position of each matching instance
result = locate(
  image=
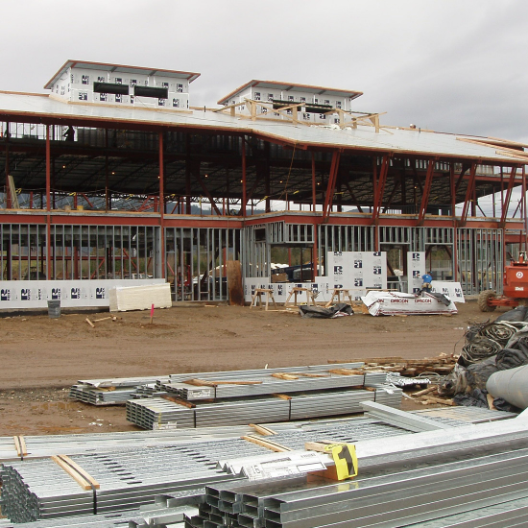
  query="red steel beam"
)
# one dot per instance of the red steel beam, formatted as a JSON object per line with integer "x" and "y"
{"x": 103, "y": 260}
{"x": 87, "y": 200}
{"x": 207, "y": 193}
{"x": 506, "y": 204}
{"x": 314, "y": 184}
{"x": 525, "y": 213}
{"x": 353, "y": 196}
{"x": 452, "y": 185}
{"x": 162, "y": 203}
{"x": 426, "y": 191}
{"x": 8, "y": 194}
{"x": 379, "y": 188}
{"x": 332, "y": 179}
{"x": 469, "y": 194}
{"x": 48, "y": 203}
{"x": 244, "y": 190}
{"x": 461, "y": 177}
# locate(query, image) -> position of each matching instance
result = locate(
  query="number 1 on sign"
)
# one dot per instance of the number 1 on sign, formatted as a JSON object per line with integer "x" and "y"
{"x": 345, "y": 460}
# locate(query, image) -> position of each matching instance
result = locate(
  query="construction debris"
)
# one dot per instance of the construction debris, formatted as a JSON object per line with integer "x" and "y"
{"x": 441, "y": 365}
{"x": 491, "y": 347}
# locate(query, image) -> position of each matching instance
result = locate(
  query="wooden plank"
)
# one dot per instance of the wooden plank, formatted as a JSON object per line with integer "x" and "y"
{"x": 199, "y": 383}
{"x": 380, "y": 360}
{"x": 347, "y": 372}
{"x": 284, "y": 376}
{"x": 264, "y": 431}
{"x": 179, "y": 401}
{"x": 208, "y": 383}
{"x": 320, "y": 446}
{"x": 425, "y": 391}
{"x": 12, "y": 192}
{"x": 237, "y": 382}
{"x": 81, "y": 476}
{"x": 309, "y": 375}
{"x": 90, "y": 322}
{"x": 234, "y": 283}
{"x": 282, "y": 396}
{"x": 20, "y": 445}
{"x": 491, "y": 399}
{"x": 267, "y": 444}
{"x": 433, "y": 399}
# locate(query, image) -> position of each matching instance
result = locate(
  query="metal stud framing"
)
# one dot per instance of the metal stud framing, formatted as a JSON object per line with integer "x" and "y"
{"x": 196, "y": 261}
{"x": 480, "y": 258}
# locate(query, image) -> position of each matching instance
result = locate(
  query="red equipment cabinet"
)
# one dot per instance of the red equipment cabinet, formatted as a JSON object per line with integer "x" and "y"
{"x": 515, "y": 288}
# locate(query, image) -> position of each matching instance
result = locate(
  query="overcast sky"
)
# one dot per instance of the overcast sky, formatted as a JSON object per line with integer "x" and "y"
{"x": 448, "y": 65}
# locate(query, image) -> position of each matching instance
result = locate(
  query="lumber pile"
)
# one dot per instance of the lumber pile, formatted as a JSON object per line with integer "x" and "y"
{"x": 442, "y": 364}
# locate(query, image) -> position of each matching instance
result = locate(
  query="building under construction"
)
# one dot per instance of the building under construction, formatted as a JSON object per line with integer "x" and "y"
{"x": 114, "y": 176}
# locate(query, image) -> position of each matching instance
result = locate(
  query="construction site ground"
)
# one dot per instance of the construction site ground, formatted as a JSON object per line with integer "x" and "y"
{"x": 40, "y": 358}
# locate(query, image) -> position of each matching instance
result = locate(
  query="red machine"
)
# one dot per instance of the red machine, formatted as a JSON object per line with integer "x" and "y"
{"x": 515, "y": 288}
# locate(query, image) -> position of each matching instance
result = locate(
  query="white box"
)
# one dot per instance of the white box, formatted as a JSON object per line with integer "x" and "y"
{"x": 123, "y": 299}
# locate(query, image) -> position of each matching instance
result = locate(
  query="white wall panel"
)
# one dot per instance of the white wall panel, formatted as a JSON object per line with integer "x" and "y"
{"x": 72, "y": 293}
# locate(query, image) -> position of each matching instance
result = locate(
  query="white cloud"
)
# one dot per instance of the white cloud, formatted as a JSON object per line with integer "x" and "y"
{"x": 450, "y": 65}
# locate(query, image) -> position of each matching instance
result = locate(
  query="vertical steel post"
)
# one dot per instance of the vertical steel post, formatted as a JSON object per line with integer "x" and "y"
{"x": 188, "y": 175}
{"x": 314, "y": 184}
{"x": 162, "y": 203}
{"x": 507, "y": 200}
{"x": 48, "y": 203}
{"x": 426, "y": 191}
{"x": 8, "y": 194}
{"x": 244, "y": 190}
{"x": 329, "y": 195}
{"x": 267, "y": 177}
{"x": 315, "y": 251}
{"x": 107, "y": 197}
{"x": 469, "y": 193}
{"x": 525, "y": 215}
{"x": 452, "y": 184}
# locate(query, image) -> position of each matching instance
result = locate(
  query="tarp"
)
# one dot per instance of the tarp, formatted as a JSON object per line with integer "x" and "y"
{"x": 339, "y": 310}
{"x": 394, "y": 303}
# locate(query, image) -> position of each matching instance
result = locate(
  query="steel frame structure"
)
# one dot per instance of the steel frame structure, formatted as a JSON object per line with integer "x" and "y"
{"x": 119, "y": 178}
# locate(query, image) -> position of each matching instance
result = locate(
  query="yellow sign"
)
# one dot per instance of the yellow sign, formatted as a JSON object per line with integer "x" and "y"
{"x": 345, "y": 460}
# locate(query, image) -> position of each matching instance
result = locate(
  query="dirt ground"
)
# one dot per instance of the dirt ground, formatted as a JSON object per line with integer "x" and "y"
{"x": 40, "y": 358}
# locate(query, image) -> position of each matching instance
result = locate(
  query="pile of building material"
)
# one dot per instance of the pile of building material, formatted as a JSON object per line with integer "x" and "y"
{"x": 172, "y": 480}
{"x": 116, "y": 391}
{"x": 26, "y": 447}
{"x": 393, "y": 490}
{"x": 112, "y": 481}
{"x": 160, "y": 413}
{"x": 394, "y": 303}
{"x": 442, "y": 365}
{"x": 241, "y": 397}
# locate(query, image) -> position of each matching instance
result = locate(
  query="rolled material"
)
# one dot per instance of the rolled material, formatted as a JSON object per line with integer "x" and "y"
{"x": 511, "y": 385}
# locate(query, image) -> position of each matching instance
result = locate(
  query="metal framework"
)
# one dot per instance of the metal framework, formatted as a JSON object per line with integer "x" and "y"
{"x": 136, "y": 199}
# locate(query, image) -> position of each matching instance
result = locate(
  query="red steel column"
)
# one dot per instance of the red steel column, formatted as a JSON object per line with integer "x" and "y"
{"x": 162, "y": 203}
{"x": 315, "y": 223}
{"x": 8, "y": 194}
{"x": 48, "y": 202}
{"x": 452, "y": 184}
{"x": 244, "y": 190}
{"x": 525, "y": 210}
{"x": 314, "y": 184}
